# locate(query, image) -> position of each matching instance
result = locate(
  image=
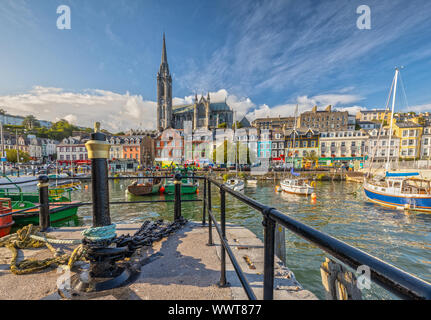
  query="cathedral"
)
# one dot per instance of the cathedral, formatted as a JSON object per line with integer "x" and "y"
{"x": 202, "y": 113}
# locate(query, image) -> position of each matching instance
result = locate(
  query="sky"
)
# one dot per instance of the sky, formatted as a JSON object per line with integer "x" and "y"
{"x": 263, "y": 57}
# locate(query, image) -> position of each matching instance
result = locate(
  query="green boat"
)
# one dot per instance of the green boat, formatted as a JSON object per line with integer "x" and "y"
{"x": 27, "y": 200}
{"x": 32, "y": 216}
{"x": 188, "y": 185}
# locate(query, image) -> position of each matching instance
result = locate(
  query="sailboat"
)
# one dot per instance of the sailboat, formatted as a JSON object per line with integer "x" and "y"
{"x": 235, "y": 183}
{"x": 398, "y": 190}
{"x": 296, "y": 185}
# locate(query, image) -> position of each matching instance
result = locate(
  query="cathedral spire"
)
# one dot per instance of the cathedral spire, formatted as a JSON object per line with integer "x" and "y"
{"x": 164, "y": 55}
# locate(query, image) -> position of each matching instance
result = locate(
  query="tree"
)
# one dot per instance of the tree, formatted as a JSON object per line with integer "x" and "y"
{"x": 30, "y": 122}
{"x": 11, "y": 156}
{"x": 2, "y": 111}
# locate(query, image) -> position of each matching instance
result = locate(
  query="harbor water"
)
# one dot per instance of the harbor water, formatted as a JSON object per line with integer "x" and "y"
{"x": 341, "y": 211}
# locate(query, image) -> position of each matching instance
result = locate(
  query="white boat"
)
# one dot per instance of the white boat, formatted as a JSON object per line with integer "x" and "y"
{"x": 296, "y": 186}
{"x": 235, "y": 184}
{"x": 252, "y": 183}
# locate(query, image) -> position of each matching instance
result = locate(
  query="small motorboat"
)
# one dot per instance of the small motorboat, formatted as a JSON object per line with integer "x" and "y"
{"x": 297, "y": 186}
{"x": 252, "y": 182}
{"x": 149, "y": 186}
{"x": 6, "y": 220}
{"x": 235, "y": 184}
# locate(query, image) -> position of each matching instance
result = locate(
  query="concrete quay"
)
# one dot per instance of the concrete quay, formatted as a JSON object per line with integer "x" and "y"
{"x": 180, "y": 267}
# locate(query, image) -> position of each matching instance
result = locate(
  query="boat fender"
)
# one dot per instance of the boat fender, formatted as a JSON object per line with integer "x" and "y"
{"x": 313, "y": 196}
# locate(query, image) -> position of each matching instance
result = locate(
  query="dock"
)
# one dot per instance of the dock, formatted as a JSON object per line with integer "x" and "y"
{"x": 180, "y": 267}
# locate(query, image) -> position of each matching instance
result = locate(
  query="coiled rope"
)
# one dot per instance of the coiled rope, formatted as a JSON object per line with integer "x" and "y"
{"x": 31, "y": 237}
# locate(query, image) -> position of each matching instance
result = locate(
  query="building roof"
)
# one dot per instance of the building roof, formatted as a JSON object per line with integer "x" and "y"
{"x": 217, "y": 106}
{"x": 407, "y": 124}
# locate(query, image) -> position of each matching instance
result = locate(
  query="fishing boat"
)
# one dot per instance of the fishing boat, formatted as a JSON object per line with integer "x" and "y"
{"x": 188, "y": 184}
{"x": 397, "y": 190}
{"x": 6, "y": 221}
{"x": 235, "y": 184}
{"x": 61, "y": 211}
{"x": 149, "y": 186}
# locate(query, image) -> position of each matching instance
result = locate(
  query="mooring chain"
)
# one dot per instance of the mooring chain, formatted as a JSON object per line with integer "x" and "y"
{"x": 150, "y": 232}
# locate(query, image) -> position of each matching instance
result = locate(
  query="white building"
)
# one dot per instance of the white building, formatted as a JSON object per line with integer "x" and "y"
{"x": 426, "y": 143}
{"x": 343, "y": 144}
{"x": 72, "y": 149}
{"x": 378, "y": 147}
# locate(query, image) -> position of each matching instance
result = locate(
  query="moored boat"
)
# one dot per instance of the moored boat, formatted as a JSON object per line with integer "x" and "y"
{"x": 62, "y": 211}
{"x": 6, "y": 221}
{"x": 297, "y": 186}
{"x": 235, "y": 184}
{"x": 150, "y": 186}
{"x": 400, "y": 191}
{"x": 188, "y": 186}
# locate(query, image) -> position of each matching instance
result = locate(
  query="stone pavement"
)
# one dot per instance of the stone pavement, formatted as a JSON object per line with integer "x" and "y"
{"x": 181, "y": 267}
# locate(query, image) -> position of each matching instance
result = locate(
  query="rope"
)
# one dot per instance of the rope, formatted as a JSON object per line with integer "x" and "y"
{"x": 31, "y": 237}
{"x": 100, "y": 233}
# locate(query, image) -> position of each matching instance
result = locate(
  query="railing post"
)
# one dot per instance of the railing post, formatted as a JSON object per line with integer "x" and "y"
{"x": 177, "y": 208}
{"x": 205, "y": 202}
{"x": 223, "y": 282}
{"x": 44, "y": 219}
{"x": 268, "y": 268}
{"x": 210, "y": 223}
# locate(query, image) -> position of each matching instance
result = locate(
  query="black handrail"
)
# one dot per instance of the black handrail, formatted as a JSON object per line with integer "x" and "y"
{"x": 393, "y": 279}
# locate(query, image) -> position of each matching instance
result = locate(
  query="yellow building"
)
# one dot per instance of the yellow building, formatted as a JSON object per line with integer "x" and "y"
{"x": 410, "y": 134}
{"x": 373, "y": 115}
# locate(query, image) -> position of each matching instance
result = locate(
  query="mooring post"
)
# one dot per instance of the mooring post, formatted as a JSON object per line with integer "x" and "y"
{"x": 205, "y": 202}
{"x": 98, "y": 152}
{"x": 210, "y": 223}
{"x": 223, "y": 282}
{"x": 177, "y": 209}
{"x": 268, "y": 268}
{"x": 44, "y": 219}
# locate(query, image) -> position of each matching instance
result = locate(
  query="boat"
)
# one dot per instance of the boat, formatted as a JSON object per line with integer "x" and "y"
{"x": 61, "y": 188}
{"x": 6, "y": 221}
{"x": 235, "y": 184}
{"x": 24, "y": 181}
{"x": 150, "y": 186}
{"x": 397, "y": 190}
{"x": 188, "y": 185}
{"x": 297, "y": 186}
{"x": 252, "y": 182}
{"x": 32, "y": 216}
{"x": 400, "y": 191}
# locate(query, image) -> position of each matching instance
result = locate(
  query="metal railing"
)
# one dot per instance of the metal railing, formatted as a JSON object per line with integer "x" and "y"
{"x": 397, "y": 281}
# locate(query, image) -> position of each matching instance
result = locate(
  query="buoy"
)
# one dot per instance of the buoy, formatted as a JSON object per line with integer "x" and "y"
{"x": 197, "y": 191}
{"x": 313, "y": 196}
{"x": 86, "y": 187}
{"x": 277, "y": 188}
{"x": 162, "y": 190}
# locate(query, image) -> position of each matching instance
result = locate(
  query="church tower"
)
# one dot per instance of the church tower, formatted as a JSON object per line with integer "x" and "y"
{"x": 164, "y": 93}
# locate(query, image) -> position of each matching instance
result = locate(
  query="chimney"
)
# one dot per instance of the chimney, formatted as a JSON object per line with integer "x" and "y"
{"x": 328, "y": 108}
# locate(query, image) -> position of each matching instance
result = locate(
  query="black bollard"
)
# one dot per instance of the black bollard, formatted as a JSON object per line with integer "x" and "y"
{"x": 98, "y": 152}
{"x": 44, "y": 219}
{"x": 177, "y": 209}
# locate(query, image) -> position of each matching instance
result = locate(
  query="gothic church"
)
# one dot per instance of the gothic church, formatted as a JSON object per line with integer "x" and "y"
{"x": 202, "y": 113}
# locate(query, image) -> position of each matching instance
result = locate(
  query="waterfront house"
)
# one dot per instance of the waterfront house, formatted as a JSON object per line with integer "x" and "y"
{"x": 426, "y": 143}
{"x": 410, "y": 133}
{"x": 377, "y": 147}
{"x": 373, "y": 115}
{"x": 72, "y": 150}
{"x": 169, "y": 149}
{"x": 324, "y": 120}
{"x": 342, "y": 146}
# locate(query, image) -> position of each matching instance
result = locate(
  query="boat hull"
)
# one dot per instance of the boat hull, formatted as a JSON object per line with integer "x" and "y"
{"x": 185, "y": 188}
{"x": 298, "y": 190}
{"x": 399, "y": 202}
{"x": 32, "y": 216}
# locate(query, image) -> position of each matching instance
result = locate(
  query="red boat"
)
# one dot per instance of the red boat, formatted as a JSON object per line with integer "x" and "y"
{"x": 6, "y": 220}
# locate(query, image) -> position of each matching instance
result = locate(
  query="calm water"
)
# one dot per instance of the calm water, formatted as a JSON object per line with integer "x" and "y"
{"x": 340, "y": 211}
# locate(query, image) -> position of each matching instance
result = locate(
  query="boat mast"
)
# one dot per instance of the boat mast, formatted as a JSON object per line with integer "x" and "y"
{"x": 294, "y": 136}
{"x": 2, "y": 148}
{"x": 392, "y": 116}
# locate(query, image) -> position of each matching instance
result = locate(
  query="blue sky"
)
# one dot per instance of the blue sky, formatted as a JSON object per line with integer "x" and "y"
{"x": 264, "y": 57}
